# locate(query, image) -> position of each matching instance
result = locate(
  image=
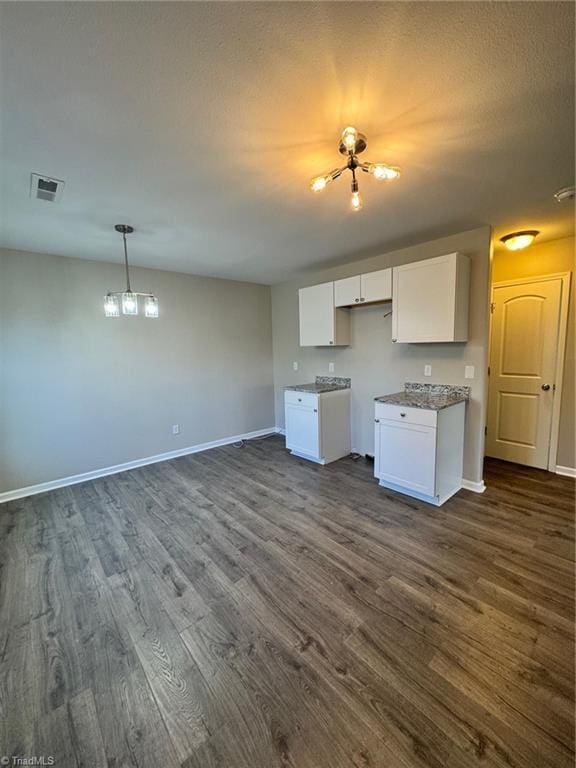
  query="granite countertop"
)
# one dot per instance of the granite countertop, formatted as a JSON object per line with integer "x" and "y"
{"x": 322, "y": 384}
{"x": 432, "y": 397}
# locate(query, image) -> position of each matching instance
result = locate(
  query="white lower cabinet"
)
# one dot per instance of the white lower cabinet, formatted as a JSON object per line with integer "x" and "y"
{"x": 419, "y": 452}
{"x": 318, "y": 425}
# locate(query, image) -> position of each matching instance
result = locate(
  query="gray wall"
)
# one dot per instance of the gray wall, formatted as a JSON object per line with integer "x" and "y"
{"x": 80, "y": 391}
{"x": 374, "y": 363}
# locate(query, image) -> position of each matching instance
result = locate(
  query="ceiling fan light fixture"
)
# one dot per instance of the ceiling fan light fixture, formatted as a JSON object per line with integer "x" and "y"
{"x": 352, "y": 143}
{"x": 516, "y": 241}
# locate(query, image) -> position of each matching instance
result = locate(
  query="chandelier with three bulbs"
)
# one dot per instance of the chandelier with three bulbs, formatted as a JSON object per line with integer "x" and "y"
{"x": 352, "y": 143}
{"x": 127, "y": 300}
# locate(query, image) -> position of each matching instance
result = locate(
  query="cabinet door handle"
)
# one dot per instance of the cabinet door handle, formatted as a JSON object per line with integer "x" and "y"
{"x": 377, "y": 421}
{"x": 545, "y": 387}
{"x": 331, "y": 342}
{"x": 394, "y": 340}
{"x": 402, "y": 414}
{"x": 356, "y": 300}
{"x": 362, "y": 299}
{"x": 315, "y": 410}
{"x": 299, "y": 399}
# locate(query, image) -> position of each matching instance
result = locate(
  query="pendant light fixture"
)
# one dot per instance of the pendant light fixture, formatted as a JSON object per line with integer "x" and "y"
{"x": 127, "y": 300}
{"x": 352, "y": 144}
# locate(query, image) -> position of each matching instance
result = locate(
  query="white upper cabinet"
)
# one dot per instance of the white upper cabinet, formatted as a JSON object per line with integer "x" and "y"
{"x": 363, "y": 289}
{"x": 376, "y": 286}
{"x": 430, "y": 300}
{"x": 322, "y": 324}
{"x": 347, "y": 291}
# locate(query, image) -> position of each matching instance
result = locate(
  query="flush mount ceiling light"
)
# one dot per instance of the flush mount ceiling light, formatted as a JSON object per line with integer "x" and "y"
{"x": 564, "y": 194}
{"x": 515, "y": 241}
{"x": 128, "y": 299}
{"x": 352, "y": 144}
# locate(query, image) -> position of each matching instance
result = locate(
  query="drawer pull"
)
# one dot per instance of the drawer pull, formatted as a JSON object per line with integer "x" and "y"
{"x": 315, "y": 410}
{"x": 402, "y": 414}
{"x": 299, "y": 399}
{"x": 356, "y": 300}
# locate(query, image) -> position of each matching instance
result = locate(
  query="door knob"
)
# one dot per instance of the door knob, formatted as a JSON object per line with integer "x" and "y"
{"x": 545, "y": 387}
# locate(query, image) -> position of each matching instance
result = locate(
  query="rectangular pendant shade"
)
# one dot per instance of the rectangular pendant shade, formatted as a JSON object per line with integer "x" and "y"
{"x": 129, "y": 303}
{"x": 151, "y": 306}
{"x": 111, "y": 306}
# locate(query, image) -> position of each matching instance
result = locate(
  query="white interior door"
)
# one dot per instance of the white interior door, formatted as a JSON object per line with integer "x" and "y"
{"x": 523, "y": 352}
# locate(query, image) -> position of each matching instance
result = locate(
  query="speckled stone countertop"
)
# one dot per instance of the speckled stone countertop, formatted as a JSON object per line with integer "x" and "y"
{"x": 322, "y": 384}
{"x": 432, "y": 397}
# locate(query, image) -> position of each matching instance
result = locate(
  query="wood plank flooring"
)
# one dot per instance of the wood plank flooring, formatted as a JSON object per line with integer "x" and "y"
{"x": 242, "y": 608}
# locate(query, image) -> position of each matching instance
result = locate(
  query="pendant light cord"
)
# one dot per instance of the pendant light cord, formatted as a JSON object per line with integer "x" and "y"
{"x": 128, "y": 289}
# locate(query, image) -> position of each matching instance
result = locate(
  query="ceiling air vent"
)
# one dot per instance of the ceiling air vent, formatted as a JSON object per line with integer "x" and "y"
{"x": 46, "y": 188}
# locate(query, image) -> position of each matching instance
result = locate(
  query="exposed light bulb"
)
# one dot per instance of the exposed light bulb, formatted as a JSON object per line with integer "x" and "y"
{"x": 356, "y": 201}
{"x": 319, "y": 183}
{"x": 349, "y": 138}
{"x": 384, "y": 172}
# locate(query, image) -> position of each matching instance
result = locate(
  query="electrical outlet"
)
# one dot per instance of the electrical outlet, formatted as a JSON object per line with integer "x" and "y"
{"x": 295, "y": 365}
{"x": 427, "y": 370}
{"x": 330, "y": 367}
{"x": 175, "y": 429}
{"x": 468, "y": 371}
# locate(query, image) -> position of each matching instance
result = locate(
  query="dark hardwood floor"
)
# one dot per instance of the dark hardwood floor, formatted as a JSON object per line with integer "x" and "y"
{"x": 246, "y": 609}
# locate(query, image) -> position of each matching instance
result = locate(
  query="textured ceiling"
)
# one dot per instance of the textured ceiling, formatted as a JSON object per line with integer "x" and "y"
{"x": 201, "y": 124}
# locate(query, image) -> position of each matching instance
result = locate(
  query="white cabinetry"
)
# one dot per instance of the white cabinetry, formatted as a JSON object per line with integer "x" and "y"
{"x": 420, "y": 452}
{"x": 430, "y": 300}
{"x": 368, "y": 288}
{"x": 318, "y": 425}
{"x": 321, "y": 323}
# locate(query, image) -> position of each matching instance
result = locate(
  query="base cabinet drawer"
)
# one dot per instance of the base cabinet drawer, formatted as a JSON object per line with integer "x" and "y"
{"x": 405, "y": 414}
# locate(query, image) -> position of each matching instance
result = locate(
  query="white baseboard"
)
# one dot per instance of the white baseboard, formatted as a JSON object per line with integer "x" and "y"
{"x": 566, "y": 471}
{"x": 280, "y": 430}
{"x": 471, "y": 485}
{"x": 31, "y": 490}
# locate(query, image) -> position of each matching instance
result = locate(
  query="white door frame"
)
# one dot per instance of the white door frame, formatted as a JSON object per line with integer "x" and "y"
{"x": 565, "y": 277}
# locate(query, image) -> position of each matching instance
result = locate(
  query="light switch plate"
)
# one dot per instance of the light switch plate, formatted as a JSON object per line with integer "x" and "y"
{"x": 295, "y": 365}
{"x": 468, "y": 371}
{"x": 330, "y": 367}
{"x": 427, "y": 370}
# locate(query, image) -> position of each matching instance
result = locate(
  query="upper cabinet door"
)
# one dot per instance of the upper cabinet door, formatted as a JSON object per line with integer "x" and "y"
{"x": 347, "y": 291}
{"x": 430, "y": 300}
{"x": 321, "y": 324}
{"x": 376, "y": 286}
